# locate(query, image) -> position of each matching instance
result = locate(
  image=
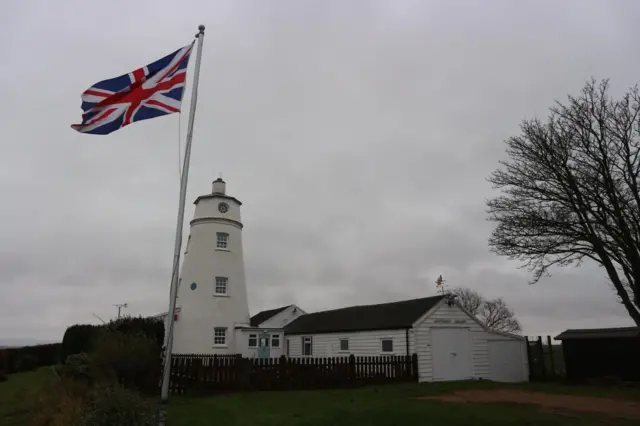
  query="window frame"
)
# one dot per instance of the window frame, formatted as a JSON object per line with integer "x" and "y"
{"x": 255, "y": 337}
{"x": 220, "y": 236}
{"x": 310, "y": 340}
{"x": 277, "y": 336}
{"x": 226, "y": 336}
{"x": 386, "y": 339}
{"x": 340, "y": 340}
{"x": 226, "y": 286}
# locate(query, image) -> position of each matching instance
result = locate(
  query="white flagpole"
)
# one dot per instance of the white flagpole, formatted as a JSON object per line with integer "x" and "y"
{"x": 178, "y": 243}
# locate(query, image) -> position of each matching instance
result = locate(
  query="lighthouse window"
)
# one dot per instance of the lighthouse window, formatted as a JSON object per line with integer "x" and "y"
{"x": 222, "y": 240}
{"x": 221, "y": 285}
{"x": 220, "y": 336}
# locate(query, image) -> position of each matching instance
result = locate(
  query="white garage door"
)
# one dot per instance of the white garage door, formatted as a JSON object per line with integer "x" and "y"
{"x": 507, "y": 361}
{"x": 451, "y": 354}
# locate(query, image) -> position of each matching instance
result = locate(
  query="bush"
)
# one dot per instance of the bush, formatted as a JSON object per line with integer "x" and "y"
{"x": 77, "y": 367}
{"x": 77, "y": 339}
{"x": 3, "y": 376}
{"x": 150, "y": 327}
{"x": 44, "y": 355}
{"x": 4, "y": 360}
{"x": 131, "y": 360}
{"x": 47, "y": 355}
{"x": 81, "y": 338}
{"x": 28, "y": 362}
{"x": 116, "y": 406}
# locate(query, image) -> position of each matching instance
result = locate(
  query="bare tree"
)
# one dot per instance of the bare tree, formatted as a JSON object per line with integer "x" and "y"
{"x": 469, "y": 299}
{"x": 494, "y": 313}
{"x": 569, "y": 190}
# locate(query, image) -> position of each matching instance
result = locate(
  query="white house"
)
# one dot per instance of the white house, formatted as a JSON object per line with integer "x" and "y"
{"x": 212, "y": 315}
{"x": 451, "y": 344}
{"x": 264, "y": 337}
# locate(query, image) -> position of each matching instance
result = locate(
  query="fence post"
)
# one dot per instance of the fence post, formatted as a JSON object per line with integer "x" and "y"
{"x": 529, "y": 362}
{"x": 352, "y": 368}
{"x": 282, "y": 372}
{"x": 551, "y": 360}
{"x": 542, "y": 362}
{"x": 414, "y": 364}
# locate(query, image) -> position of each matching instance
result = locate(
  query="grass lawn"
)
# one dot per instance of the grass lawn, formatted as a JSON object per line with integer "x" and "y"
{"x": 383, "y": 406}
{"x": 370, "y": 406}
{"x": 17, "y": 395}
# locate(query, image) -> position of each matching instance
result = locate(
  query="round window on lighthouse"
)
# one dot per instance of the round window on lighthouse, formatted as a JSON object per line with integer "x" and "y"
{"x": 223, "y": 207}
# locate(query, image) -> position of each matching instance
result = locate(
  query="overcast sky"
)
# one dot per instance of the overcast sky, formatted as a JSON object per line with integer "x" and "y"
{"x": 357, "y": 134}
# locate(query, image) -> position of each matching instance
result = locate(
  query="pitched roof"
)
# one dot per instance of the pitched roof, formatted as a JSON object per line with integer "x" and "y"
{"x": 261, "y": 317}
{"x": 599, "y": 333}
{"x": 384, "y": 316}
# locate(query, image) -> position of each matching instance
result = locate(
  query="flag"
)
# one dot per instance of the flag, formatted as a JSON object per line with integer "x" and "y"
{"x": 147, "y": 92}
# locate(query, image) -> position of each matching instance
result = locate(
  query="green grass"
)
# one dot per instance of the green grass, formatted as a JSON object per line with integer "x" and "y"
{"x": 18, "y": 394}
{"x": 379, "y": 406}
{"x": 371, "y": 406}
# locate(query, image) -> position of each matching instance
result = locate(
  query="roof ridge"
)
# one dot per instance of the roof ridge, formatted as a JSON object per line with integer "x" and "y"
{"x": 376, "y": 304}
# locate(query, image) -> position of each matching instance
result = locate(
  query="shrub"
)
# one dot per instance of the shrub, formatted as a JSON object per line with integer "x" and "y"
{"x": 150, "y": 327}
{"x": 3, "y": 376}
{"x": 116, "y": 406}
{"x": 131, "y": 360}
{"x": 81, "y": 338}
{"x": 28, "y": 362}
{"x": 4, "y": 360}
{"x": 48, "y": 354}
{"x": 44, "y": 355}
{"x": 77, "y": 367}
{"x": 77, "y": 339}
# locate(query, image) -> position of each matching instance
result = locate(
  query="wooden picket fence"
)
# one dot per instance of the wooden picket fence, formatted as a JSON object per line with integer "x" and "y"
{"x": 205, "y": 374}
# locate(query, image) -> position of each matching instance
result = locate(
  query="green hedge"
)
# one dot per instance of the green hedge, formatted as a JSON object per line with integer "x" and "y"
{"x": 29, "y": 357}
{"x": 81, "y": 338}
{"x": 77, "y": 339}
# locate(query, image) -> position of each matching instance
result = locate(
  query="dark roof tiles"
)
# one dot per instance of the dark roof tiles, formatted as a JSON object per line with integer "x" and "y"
{"x": 599, "y": 333}
{"x": 261, "y": 317}
{"x": 384, "y": 316}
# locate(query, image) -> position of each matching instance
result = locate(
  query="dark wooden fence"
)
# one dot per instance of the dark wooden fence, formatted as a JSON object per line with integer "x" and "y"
{"x": 205, "y": 374}
{"x": 545, "y": 359}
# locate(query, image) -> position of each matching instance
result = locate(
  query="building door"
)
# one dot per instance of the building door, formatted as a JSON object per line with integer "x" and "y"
{"x": 263, "y": 345}
{"x": 507, "y": 360}
{"x": 451, "y": 354}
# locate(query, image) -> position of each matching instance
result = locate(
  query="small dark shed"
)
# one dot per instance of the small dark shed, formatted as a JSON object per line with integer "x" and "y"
{"x": 602, "y": 352}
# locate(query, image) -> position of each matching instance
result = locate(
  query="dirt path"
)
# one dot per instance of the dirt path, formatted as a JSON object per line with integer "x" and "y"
{"x": 547, "y": 402}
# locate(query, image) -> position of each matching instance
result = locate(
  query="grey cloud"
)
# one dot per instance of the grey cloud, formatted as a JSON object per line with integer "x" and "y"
{"x": 358, "y": 135}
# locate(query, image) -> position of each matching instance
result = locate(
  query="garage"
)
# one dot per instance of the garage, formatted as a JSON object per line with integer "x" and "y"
{"x": 451, "y": 355}
{"x": 452, "y": 344}
{"x": 507, "y": 359}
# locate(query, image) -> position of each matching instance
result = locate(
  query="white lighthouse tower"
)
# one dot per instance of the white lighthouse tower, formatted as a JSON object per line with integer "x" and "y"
{"x": 212, "y": 295}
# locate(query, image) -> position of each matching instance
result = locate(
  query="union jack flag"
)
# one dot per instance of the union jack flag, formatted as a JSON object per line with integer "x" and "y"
{"x": 147, "y": 92}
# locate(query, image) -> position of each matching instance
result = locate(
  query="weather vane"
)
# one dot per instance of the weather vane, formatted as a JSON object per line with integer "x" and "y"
{"x": 440, "y": 284}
